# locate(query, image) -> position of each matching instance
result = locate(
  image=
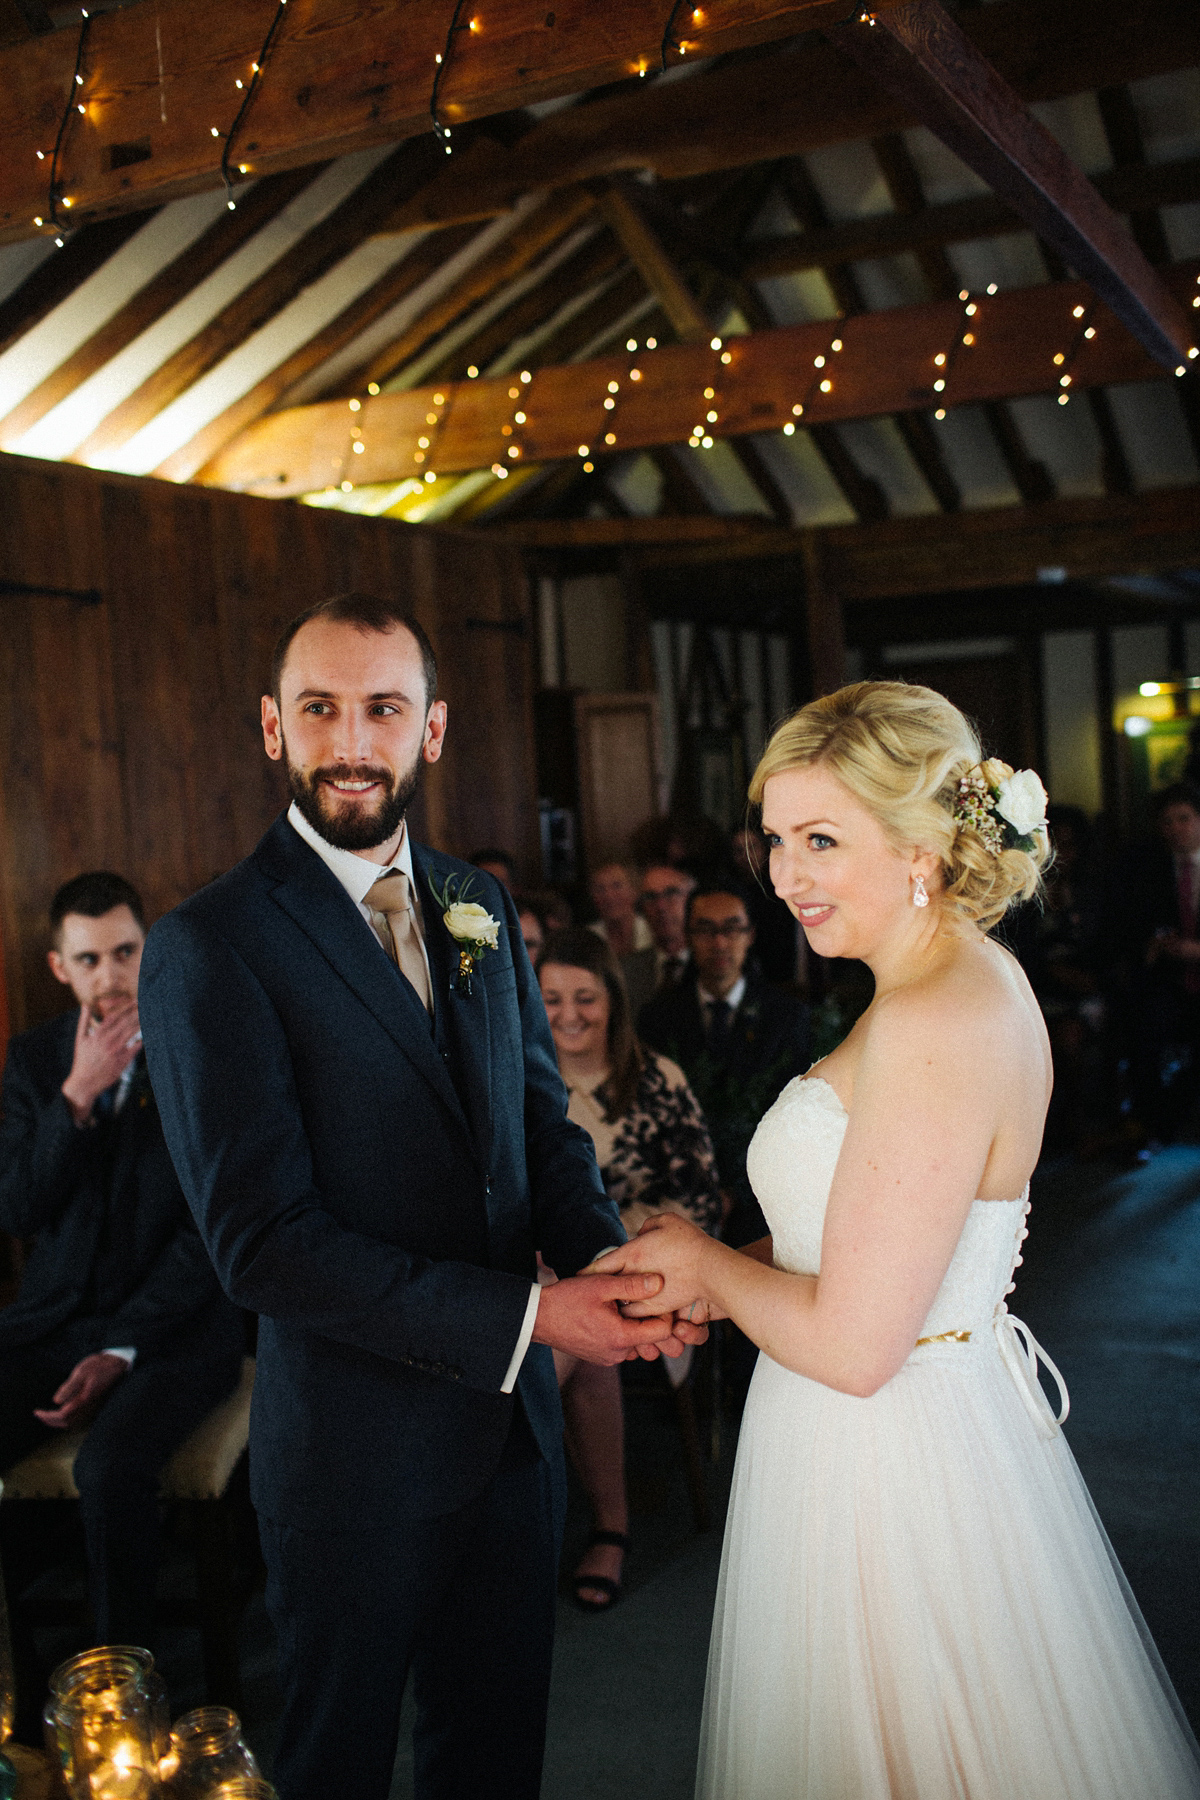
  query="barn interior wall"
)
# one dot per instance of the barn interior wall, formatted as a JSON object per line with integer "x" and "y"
{"x": 138, "y": 622}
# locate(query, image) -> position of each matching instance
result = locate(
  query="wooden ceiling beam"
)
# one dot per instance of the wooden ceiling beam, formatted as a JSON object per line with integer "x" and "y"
{"x": 64, "y": 270}
{"x": 534, "y": 237}
{"x": 887, "y": 365}
{"x": 994, "y": 547}
{"x": 806, "y": 95}
{"x": 314, "y": 255}
{"x": 1124, "y": 134}
{"x": 159, "y": 84}
{"x": 923, "y": 57}
{"x": 1131, "y": 189}
{"x": 421, "y": 262}
{"x": 185, "y": 272}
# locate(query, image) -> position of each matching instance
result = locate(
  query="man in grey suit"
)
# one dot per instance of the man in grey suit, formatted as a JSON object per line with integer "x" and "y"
{"x": 372, "y": 1134}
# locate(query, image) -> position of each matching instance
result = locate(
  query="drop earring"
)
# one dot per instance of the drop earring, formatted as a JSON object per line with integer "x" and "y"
{"x": 920, "y": 897}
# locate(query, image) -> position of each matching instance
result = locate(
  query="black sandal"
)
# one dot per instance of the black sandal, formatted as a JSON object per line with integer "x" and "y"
{"x": 612, "y": 1590}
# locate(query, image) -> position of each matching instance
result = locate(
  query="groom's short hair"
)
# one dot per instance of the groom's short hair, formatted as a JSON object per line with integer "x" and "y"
{"x": 366, "y": 612}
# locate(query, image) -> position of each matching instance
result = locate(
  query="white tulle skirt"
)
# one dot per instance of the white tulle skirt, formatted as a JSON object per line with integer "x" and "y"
{"x": 918, "y": 1602}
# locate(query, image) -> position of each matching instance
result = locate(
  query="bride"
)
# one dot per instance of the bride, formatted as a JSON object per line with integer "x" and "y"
{"x": 917, "y": 1600}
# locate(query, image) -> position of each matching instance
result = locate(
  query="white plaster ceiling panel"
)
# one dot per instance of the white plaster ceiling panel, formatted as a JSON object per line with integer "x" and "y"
{"x": 389, "y": 327}
{"x": 891, "y": 281}
{"x": 973, "y": 458}
{"x": 77, "y": 416}
{"x": 797, "y": 298}
{"x": 301, "y": 319}
{"x": 773, "y": 219}
{"x": 801, "y": 471}
{"x": 1065, "y": 439}
{"x": 1155, "y": 436}
{"x": 18, "y": 261}
{"x": 943, "y": 175}
{"x": 1076, "y": 123}
{"x": 1168, "y": 111}
{"x": 1011, "y": 261}
{"x": 522, "y": 348}
{"x": 849, "y": 180}
{"x": 159, "y": 241}
{"x": 879, "y": 450}
{"x": 638, "y": 484}
{"x": 722, "y": 479}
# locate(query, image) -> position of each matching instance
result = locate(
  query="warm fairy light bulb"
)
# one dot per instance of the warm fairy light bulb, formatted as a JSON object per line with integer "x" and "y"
{"x": 631, "y": 343}
{"x": 1181, "y": 370}
{"x": 583, "y": 450}
{"x": 968, "y": 338}
{"x": 431, "y": 418}
{"x": 520, "y": 418}
{"x": 789, "y": 429}
{"x": 439, "y": 399}
{"x": 438, "y": 57}
{"x": 429, "y": 475}
{"x": 355, "y": 405}
{"x": 423, "y": 443}
{"x": 609, "y": 404}
{"x": 652, "y": 343}
{"x": 711, "y": 417}
{"x": 67, "y": 200}
{"x": 818, "y": 362}
{"x": 38, "y": 220}
{"x": 1063, "y": 399}
{"x": 372, "y": 387}
{"x": 614, "y": 387}
{"x": 710, "y": 393}
{"x": 940, "y": 359}
{"x": 992, "y": 288}
{"x": 514, "y": 449}
{"x": 1065, "y": 380}
{"x": 214, "y": 131}
{"x": 1059, "y": 357}
{"x": 589, "y": 468}
{"x": 972, "y": 310}
{"x": 474, "y": 24}
{"x": 798, "y": 411}
{"x": 514, "y": 393}
{"x": 359, "y": 448}
{"x": 715, "y": 344}
{"x": 964, "y": 293}
{"x": 472, "y": 372}
{"x": 939, "y": 387}
{"x": 707, "y": 442}
{"x": 836, "y": 344}
{"x": 610, "y": 437}
{"x": 940, "y": 413}
{"x": 827, "y": 387}
{"x": 526, "y": 376}
{"x": 41, "y": 155}
{"x": 347, "y": 487}
{"x": 237, "y": 84}
{"x": 1077, "y": 312}
{"x": 243, "y": 168}
{"x": 726, "y": 356}
{"x": 635, "y": 374}
{"x": 1090, "y": 332}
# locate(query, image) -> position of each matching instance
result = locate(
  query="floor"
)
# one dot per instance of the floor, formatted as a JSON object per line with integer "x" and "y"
{"x": 1109, "y": 1286}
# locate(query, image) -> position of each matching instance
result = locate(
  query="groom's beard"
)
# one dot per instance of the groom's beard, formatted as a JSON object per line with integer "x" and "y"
{"x": 346, "y": 823}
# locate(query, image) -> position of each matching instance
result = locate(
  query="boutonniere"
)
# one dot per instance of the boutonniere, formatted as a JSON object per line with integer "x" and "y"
{"x": 471, "y": 926}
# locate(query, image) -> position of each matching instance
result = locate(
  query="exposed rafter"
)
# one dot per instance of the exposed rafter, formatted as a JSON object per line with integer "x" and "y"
{"x": 995, "y": 547}
{"x": 888, "y": 364}
{"x": 927, "y": 61}
{"x": 159, "y": 84}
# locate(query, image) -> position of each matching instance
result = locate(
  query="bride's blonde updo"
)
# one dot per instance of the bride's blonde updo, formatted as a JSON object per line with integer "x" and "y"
{"x": 902, "y": 750}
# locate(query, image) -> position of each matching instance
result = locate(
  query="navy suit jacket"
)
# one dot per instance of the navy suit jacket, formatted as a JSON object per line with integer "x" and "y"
{"x": 116, "y": 1257}
{"x": 375, "y": 1188}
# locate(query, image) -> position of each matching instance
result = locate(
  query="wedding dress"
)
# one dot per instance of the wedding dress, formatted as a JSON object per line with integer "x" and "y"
{"x": 917, "y": 1599}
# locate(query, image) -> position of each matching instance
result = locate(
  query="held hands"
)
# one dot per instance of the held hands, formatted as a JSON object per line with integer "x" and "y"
{"x": 585, "y": 1316}
{"x": 681, "y": 1254}
{"x": 102, "y": 1050}
{"x": 84, "y": 1388}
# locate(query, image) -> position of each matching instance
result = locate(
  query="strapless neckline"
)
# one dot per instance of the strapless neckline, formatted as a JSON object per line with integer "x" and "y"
{"x": 820, "y": 1081}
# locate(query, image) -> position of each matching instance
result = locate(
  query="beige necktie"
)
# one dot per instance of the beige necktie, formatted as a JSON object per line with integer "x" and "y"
{"x": 390, "y": 900}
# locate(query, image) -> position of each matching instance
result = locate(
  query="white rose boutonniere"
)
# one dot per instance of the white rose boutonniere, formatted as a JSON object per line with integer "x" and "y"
{"x": 1021, "y": 802}
{"x": 471, "y": 926}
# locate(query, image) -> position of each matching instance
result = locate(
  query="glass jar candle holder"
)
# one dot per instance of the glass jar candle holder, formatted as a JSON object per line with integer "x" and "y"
{"x": 245, "y": 1787}
{"x": 208, "y": 1752}
{"x": 105, "y": 1724}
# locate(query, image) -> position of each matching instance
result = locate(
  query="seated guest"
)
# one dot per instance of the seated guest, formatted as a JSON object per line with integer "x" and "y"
{"x": 534, "y": 922}
{"x": 495, "y": 862}
{"x": 737, "y": 1040}
{"x": 120, "y": 1323}
{"x": 665, "y": 891}
{"x": 614, "y": 894}
{"x": 655, "y": 1156}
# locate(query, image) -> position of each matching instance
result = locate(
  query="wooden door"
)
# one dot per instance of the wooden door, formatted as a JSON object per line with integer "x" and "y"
{"x": 620, "y": 770}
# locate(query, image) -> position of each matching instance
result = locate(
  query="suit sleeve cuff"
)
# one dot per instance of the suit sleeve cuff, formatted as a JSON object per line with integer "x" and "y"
{"x": 518, "y": 1355}
{"x": 125, "y": 1351}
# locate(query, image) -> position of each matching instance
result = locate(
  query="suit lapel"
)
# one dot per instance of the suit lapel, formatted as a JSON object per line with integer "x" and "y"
{"x": 461, "y": 1020}
{"x": 318, "y": 904}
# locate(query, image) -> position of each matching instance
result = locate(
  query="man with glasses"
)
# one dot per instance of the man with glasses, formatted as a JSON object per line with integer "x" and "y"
{"x": 737, "y": 1040}
{"x": 665, "y": 892}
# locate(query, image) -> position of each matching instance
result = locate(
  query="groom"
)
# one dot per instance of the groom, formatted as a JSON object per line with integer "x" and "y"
{"x": 373, "y": 1160}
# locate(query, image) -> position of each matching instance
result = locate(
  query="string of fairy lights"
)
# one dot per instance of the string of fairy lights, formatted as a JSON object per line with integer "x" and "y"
{"x": 513, "y": 430}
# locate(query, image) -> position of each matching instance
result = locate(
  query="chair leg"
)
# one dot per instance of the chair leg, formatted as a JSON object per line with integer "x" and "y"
{"x": 218, "y": 1602}
{"x": 693, "y": 1461}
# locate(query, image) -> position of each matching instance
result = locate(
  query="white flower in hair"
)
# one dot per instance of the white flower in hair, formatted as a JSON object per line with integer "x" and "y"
{"x": 1021, "y": 801}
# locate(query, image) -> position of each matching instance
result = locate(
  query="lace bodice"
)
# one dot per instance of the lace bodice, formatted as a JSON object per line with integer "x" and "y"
{"x": 791, "y": 1162}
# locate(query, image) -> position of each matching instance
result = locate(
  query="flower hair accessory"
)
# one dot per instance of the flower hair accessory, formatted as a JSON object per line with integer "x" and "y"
{"x": 471, "y": 926}
{"x": 1006, "y": 809}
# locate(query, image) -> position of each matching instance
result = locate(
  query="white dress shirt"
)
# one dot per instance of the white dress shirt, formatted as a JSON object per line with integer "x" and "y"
{"x": 733, "y": 999}
{"x": 358, "y": 875}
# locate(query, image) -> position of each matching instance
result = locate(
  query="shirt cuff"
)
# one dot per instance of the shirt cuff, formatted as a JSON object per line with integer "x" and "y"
{"x": 518, "y": 1355}
{"x": 125, "y": 1351}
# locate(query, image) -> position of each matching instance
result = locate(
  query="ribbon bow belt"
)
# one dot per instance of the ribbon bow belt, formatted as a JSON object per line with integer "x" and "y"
{"x": 1022, "y": 1353}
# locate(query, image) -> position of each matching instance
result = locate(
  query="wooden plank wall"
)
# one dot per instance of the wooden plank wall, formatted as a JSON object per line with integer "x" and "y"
{"x": 129, "y": 726}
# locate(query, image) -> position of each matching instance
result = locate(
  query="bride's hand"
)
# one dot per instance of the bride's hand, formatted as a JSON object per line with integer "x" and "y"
{"x": 675, "y": 1249}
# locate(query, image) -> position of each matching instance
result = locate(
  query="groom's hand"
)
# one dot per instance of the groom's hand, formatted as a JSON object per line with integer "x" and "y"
{"x": 582, "y": 1316}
